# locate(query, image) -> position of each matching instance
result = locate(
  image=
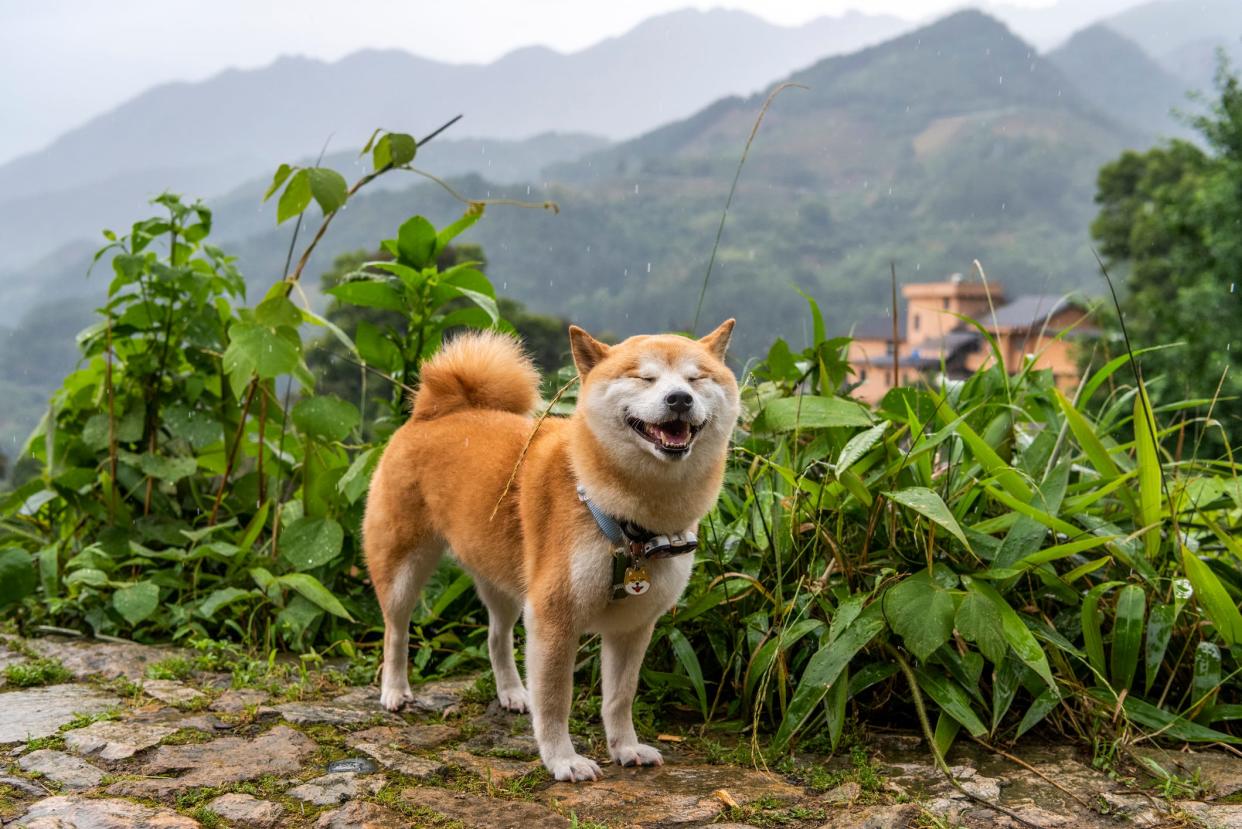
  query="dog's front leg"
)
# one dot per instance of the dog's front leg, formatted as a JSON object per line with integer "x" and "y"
{"x": 550, "y": 648}
{"x": 622, "y": 657}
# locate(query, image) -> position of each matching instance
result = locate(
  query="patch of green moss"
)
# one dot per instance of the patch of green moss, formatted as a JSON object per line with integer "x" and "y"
{"x": 36, "y": 673}
{"x": 185, "y": 737}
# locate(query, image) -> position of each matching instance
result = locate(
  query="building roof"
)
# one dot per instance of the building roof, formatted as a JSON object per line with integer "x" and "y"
{"x": 880, "y": 328}
{"x": 1030, "y": 310}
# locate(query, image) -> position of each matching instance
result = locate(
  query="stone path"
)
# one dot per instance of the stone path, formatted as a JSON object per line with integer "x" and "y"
{"x": 114, "y": 748}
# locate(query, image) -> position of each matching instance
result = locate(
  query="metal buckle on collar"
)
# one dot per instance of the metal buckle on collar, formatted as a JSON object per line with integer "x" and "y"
{"x": 673, "y": 544}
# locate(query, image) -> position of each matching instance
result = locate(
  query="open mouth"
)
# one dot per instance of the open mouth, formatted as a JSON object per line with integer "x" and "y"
{"x": 672, "y": 436}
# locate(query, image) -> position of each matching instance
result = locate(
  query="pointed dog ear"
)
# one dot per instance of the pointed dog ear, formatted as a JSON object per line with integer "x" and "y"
{"x": 717, "y": 342}
{"x": 587, "y": 350}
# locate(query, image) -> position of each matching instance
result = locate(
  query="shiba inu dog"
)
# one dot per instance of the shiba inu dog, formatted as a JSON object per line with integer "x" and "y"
{"x": 530, "y": 515}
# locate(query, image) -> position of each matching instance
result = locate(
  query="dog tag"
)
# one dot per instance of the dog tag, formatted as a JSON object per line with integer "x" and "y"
{"x": 637, "y": 582}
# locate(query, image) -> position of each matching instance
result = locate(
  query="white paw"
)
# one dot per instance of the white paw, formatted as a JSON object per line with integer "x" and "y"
{"x": 394, "y": 698}
{"x": 514, "y": 699}
{"x": 636, "y": 754}
{"x": 573, "y": 768}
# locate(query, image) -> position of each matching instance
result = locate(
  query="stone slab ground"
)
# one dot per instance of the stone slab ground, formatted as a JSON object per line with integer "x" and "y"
{"x": 114, "y": 748}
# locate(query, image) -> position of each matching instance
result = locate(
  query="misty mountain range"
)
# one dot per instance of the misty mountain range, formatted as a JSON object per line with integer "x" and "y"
{"x": 929, "y": 147}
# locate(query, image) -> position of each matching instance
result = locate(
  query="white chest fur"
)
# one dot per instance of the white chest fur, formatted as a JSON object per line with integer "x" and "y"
{"x": 591, "y": 585}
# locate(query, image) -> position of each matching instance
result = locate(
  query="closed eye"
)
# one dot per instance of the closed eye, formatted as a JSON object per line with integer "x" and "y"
{"x": 642, "y": 377}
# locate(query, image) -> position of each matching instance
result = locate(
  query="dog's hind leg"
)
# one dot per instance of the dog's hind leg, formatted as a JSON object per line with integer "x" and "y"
{"x": 401, "y": 556}
{"x": 621, "y": 658}
{"x": 503, "y": 611}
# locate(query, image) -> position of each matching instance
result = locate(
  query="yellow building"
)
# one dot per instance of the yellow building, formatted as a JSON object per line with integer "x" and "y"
{"x": 932, "y": 338}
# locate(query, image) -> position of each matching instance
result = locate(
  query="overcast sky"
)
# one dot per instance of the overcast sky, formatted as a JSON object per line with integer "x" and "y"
{"x": 62, "y": 61}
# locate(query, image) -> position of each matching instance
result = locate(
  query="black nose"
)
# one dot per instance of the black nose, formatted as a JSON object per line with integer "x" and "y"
{"x": 679, "y": 401}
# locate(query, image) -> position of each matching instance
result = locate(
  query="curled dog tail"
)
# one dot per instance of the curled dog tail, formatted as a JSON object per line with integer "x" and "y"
{"x": 477, "y": 370}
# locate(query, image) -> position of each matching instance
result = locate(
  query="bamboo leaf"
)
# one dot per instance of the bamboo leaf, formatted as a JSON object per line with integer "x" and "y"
{"x": 824, "y": 668}
{"x": 1159, "y": 631}
{"x": 1213, "y": 598}
{"x": 1127, "y": 635}
{"x": 1147, "y": 453}
{"x": 930, "y": 505}
{"x": 1092, "y": 637}
{"x": 951, "y": 698}
{"x": 686, "y": 656}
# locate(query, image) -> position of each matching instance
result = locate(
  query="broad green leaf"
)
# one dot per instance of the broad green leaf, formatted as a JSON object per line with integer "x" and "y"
{"x": 326, "y": 417}
{"x": 859, "y": 445}
{"x": 167, "y": 469}
{"x": 220, "y": 598}
{"x": 483, "y": 301}
{"x": 195, "y": 426}
{"x": 931, "y": 506}
{"x": 1039, "y": 709}
{"x": 375, "y": 348}
{"x": 452, "y": 231}
{"x": 824, "y": 668}
{"x": 785, "y": 414}
{"x": 921, "y": 612}
{"x": 951, "y": 698}
{"x": 357, "y": 478}
{"x": 282, "y": 173}
{"x": 296, "y": 197}
{"x": 328, "y": 187}
{"x": 1018, "y": 635}
{"x": 256, "y": 349}
{"x": 1213, "y": 598}
{"x": 17, "y": 575}
{"x": 314, "y": 591}
{"x": 1127, "y": 635}
{"x": 402, "y": 148}
{"x": 278, "y": 310}
{"x": 1147, "y": 452}
{"x": 136, "y": 602}
{"x": 978, "y": 621}
{"x": 311, "y": 542}
{"x": 90, "y": 576}
{"x": 416, "y": 242}
{"x": 1159, "y": 632}
{"x": 371, "y": 293}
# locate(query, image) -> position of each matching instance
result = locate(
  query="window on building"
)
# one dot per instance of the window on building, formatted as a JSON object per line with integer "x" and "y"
{"x": 945, "y": 303}
{"x": 862, "y": 375}
{"x": 916, "y": 322}
{"x": 890, "y": 348}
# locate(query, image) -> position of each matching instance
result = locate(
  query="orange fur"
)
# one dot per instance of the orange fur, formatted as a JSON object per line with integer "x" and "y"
{"x": 444, "y": 472}
{"x": 481, "y": 371}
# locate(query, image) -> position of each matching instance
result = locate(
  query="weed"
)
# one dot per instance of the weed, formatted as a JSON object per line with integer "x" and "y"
{"x": 174, "y": 667}
{"x": 55, "y": 741}
{"x": 35, "y": 673}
